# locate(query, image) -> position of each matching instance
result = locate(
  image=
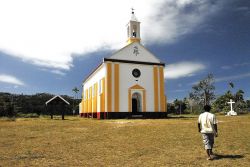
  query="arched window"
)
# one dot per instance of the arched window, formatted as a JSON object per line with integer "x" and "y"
{"x": 134, "y": 31}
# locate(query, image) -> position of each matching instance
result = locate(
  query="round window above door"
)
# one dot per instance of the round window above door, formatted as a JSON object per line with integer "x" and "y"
{"x": 136, "y": 73}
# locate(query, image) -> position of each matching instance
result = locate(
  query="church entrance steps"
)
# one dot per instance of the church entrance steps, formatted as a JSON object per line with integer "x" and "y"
{"x": 136, "y": 116}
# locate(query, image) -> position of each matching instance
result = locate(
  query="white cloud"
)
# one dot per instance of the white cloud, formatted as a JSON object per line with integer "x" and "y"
{"x": 58, "y": 72}
{"x": 182, "y": 69}
{"x": 233, "y": 77}
{"x": 54, "y": 71}
{"x": 237, "y": 65}
{"x": 226, "y": 67}
{"x": 11, "y": 80}
{"x": 242, "y": 64}
{"x": 46, "y": 33}
{"x": 179, "y": 90}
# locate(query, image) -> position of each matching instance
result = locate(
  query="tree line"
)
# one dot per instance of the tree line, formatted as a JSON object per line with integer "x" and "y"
{"x": 31, "y": 105}
{"x": 202, "y": 93}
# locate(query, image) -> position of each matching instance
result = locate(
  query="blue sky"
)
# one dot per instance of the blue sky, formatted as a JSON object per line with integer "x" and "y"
{"x": 52, "y": 46}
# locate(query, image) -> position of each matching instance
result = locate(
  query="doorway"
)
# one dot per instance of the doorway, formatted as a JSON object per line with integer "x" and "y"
{"x": 136, "y": 102}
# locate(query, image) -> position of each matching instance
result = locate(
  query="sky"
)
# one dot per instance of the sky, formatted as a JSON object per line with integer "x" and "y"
{"x": 52, "y": 45}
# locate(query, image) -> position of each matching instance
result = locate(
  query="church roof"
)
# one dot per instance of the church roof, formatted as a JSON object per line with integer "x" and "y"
{"x": 136, "y": 52}
{"x": 93, "y": 71}
{"x": 132, "y": 62}
{"x": 126, "y": 55}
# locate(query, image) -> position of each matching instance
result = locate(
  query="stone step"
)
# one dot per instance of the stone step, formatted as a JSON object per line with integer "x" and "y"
{"x": 137, "y": 116}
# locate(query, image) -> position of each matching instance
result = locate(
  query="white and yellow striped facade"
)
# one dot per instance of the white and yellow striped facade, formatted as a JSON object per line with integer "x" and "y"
{"x": 110, "y": 88}
{"x": 112, "y": 91}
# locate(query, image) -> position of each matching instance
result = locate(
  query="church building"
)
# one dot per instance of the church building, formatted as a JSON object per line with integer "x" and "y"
{"x": 128, "y": 84}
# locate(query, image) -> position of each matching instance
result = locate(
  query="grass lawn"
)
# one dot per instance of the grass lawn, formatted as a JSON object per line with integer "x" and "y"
{"x": 89, "y": 142}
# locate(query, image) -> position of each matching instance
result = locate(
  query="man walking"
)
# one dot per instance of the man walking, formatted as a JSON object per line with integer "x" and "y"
{"x": 207, "y": 126}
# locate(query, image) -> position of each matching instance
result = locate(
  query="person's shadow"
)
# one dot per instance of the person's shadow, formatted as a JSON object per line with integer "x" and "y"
{"x": 220, "y": 156}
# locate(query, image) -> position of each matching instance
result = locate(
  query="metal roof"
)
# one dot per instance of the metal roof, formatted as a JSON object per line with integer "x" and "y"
{"x": 55, "y": 98}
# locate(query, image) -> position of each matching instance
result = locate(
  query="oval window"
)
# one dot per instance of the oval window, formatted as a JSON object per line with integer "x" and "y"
{"x": 136, "y": 73}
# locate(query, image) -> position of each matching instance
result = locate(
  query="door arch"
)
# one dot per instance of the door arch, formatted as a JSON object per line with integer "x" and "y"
{"x": 139, "y": 93}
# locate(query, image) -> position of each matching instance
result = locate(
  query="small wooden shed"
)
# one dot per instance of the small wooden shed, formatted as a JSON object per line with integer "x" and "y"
{"x": 57, "y": 103}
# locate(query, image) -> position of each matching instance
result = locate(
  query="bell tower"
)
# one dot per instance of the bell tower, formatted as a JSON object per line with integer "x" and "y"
{"x": 133, "y": 29}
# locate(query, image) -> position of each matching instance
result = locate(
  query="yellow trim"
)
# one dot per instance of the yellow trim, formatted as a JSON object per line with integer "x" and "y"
{"x": 131, "y": 40}
{"x": 96, "y": 95}
{"x": 162, "y": 96}
{"x": 116, "y": 86}
{"x": 137, "y": 87}
{"x": 109, "y": 87}
{"x": 85, "y": 107}
{"x": 102, "y": 104}
{"x": 84, "y": 100}
{"x": 144, "y": 101}
{"x": 156, "y": 99}
{"x": 87, "y": 101}
{"x": 129, "y": 101}
{"x": 95, "y": 99}
{"x": 90, "y": 100}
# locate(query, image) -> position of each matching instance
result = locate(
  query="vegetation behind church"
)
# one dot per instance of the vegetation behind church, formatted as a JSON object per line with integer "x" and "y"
{"x": 202, "y": 93}
{"x": 29, "y": 105}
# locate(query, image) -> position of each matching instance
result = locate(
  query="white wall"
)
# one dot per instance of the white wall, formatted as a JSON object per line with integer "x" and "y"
{"x": 127, "y": 80}
{"x": 99, "y": 74}
{"x": 94, "y": 78}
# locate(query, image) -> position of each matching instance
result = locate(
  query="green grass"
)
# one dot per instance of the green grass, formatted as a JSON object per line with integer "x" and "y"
{"x": 90, "y": 142}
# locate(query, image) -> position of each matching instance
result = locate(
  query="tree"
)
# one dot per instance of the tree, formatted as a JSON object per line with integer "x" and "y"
{"x": 28, "y": 105}
{"x": 7, "y": 105}
{"x": 171, "y": 108}
{"x": 190, "y": 103}
{"x": 203, "y": 91}
{"x": 220, "y": 105}
{"x": 240, "y": 104}
{"x": 75, "y": 90}
{"x": 239, "y": 95}
{"x": 179, "y": 106}
{"x": 231, "y": 85}
{"x": 248, "y": 105}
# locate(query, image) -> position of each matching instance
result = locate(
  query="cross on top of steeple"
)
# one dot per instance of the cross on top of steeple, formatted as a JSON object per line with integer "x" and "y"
{"x": 132, "y": 10}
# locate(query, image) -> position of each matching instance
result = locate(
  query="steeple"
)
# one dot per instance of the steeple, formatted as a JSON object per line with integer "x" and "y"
{"x": 133, "y": 29}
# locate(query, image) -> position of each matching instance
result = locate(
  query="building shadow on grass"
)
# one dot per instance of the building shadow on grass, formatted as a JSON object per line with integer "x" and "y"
{"x": 220, "y": 156}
